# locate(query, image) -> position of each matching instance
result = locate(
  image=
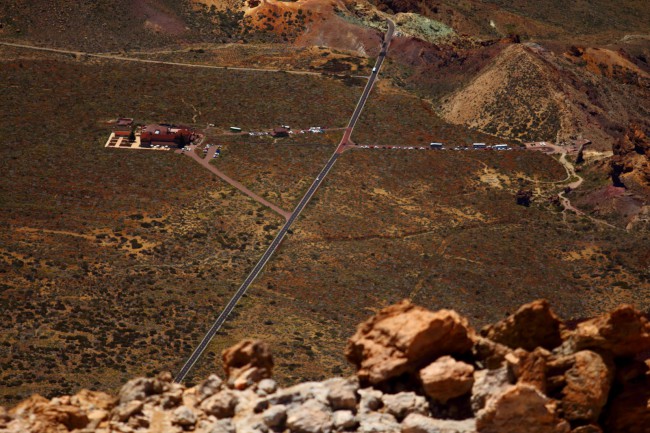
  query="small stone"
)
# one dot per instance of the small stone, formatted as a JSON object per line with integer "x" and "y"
{"x": 125, "y": 411}
{"x": 486, "y": 384}
{"x": 165, "y": 376}
{"x": 247, "y": 378}
{"x": 209, "y": 387}
{"x": 521, "y": 408}
{"x": 447, "y": 378}
{"x": 183, "y": 416}
{"x": 173, "y": 397}
{"x": 90, "y": 400}
{"x": 221, "y": 426}
{"x": 417, "y": 423}
{"x": 529, "y": 367}
{"x": 370, "y": 400}
{"x": 222, "y": 404}
{"x": 375, "y": 422}
{"x": 139, "y": 389}
{"x": 250, "y": 423}
{"x": 267, "y": 386}
{"x": 342, "y": 393}
{"x": 71, "y": 417}
{"x": 275, "y": 416}
{"x": 344, "y": 420}
{"x": 310, "y": 417}
{"x": 404, "y": 403}
{"x": 489, "y": 354}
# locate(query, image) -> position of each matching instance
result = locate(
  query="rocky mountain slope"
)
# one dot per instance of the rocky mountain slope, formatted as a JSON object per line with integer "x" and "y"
{"x": 530, "y": 93}
{"x": 418, "y": 371}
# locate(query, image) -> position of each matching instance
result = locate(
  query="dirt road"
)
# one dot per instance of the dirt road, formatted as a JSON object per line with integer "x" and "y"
{"x": 157, "y": 62}
{"x": 205, "y": 162}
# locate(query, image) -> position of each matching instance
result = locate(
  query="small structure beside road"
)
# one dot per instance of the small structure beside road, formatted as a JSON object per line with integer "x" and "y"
{"x": 124, "y": 121}
{"x": 280, "y": 131}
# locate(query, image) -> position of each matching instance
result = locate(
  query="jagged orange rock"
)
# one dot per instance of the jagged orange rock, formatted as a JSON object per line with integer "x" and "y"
{"x": 403, "y": 338}
{"x": 587, "y": 386}
{"x": 624, "y": 332}
{"x": 247, "y": 362}
{"x": 521, "y": 408}
{"x": 533, "y": 325}
{"x": 40, "y": 415}
{"x": 529, "y": 367}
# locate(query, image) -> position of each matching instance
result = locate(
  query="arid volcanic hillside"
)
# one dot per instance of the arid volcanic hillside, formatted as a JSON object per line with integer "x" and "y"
{"x": 115, "y": 260}
{"x": 530, "y": 94}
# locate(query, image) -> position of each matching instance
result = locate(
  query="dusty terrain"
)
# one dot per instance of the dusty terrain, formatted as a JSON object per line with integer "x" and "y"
{"x": 107, "y": 256}
{"x": 531, "y": 371}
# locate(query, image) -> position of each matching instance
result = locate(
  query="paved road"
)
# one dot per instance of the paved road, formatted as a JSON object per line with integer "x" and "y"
{"x": 194, "y": 357}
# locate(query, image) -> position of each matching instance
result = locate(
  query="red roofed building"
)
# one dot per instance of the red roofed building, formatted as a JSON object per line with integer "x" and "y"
{"x": 166, "y": 135}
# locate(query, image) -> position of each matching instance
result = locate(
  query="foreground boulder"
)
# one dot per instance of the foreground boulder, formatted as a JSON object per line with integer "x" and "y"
{"x": 419, "y": 372}
{"x": 624, "y": 332}
{"x": 521, "y": 408}
{"x": 529, "y": 367}
{"x": 247, "y": 362}
{"x": 587, "y": 386}
{"x": 533, "y": 325}
{"x": 447, "y": 378}
{"x": 404, "y": 337}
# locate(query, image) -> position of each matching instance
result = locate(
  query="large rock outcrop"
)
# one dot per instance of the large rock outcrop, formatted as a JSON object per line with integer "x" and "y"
{"x": 533, "y": 325}
{"x": 624, "y": 332}
{"x": 247, "y": 362}
{"x": 593, "y": 381}
{"x": 404, "y": 337}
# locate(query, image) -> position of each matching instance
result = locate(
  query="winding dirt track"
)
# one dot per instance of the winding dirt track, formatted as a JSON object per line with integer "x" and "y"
{"x": 571, "y": 174}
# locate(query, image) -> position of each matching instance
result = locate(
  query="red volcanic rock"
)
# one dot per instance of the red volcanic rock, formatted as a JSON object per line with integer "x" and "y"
{"x": 44, "y": 416}
{"x": 529, "y": 367}
{"x": 624, "y": 332}
{"x": 587, "y": 386}
{"x": 447, "y": 378}
{"x": 404, "y": 337}
{"x": 490, "y": 354}
{"x": 533, "y": 325}
{"x": 521, "y": 408}
{"x": 247, "y": 362}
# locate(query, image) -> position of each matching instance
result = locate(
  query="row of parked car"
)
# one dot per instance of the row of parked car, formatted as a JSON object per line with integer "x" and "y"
{"x": 440, "y": 146}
